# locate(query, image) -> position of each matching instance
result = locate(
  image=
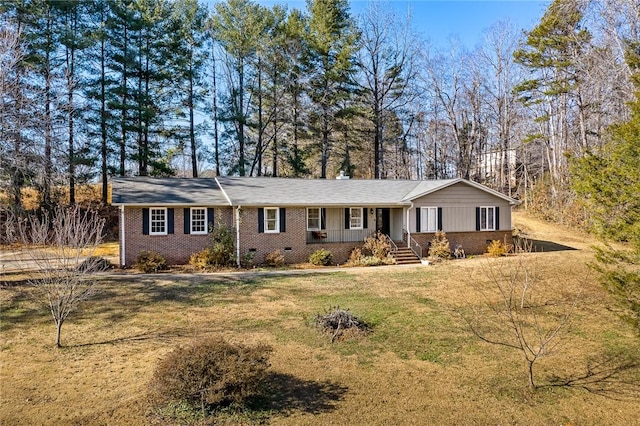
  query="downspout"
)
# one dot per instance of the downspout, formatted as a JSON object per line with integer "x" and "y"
{"x": 237, "y": 221}
{"x": 238, "y": 236}
{"x": 122, "y": 234}
{"x": 409, "y": 226}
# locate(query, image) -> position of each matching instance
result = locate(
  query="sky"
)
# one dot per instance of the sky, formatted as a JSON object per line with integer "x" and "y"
{"x": 439, "y": 20}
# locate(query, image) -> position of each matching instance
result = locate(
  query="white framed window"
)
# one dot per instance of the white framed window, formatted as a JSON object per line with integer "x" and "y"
{"x": 487, "y": 218}
{"x": 314, "y": 221}
{"x": 355, "y": 218}
{"x": 271, "y": 220}
{"x": 198, "y": 220}
{"x": 428, "y": 219}
{"x": 158, "y": 221}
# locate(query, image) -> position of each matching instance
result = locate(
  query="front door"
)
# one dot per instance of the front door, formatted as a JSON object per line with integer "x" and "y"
{"x": 383, "y": 219}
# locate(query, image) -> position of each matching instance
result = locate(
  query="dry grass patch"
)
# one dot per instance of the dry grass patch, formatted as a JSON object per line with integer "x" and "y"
{"x": 419, "y": 364}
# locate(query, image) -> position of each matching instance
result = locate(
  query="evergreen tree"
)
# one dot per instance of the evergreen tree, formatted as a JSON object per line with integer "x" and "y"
{"x": 236, "y": 26}
{"x": 330, "y": 63}
{"x": 551, "y": 53}
{"x": 187, "y": 44}
{"x": 608, "y": 184}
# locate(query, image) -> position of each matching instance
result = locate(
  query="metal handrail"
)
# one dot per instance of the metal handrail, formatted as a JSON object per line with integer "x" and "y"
{"x": 417, "y": 248}
{"x": 394, "y": 246}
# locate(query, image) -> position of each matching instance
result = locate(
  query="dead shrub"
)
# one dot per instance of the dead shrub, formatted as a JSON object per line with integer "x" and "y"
{"x": 375, "y": 251}
{"x": 340, "y": 323}
{"x": 210, "y": 373}
{"x": 439, "y": 247}
{"x": 150, "y": 261}
{"x": 377, "y": 246}
{"x": 274, "y": 259}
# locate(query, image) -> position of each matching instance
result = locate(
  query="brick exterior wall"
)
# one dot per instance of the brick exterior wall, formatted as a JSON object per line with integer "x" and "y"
{"x": 292, "y": 243}
{"x": 471, "y": 242}
{"x": 176, "y": 247}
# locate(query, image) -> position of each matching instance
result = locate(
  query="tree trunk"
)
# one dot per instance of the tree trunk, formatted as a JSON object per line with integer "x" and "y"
{"x": 192, "y": 131}
{"x": 532, "y": 384}
{"x": 58, "y": 332}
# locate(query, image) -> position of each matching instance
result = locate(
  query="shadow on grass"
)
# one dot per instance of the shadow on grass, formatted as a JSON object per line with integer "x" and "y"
{"x": 548, "y": 246}
{"x": 142, "y": 337}
{"x": 612, "y": 376}
{"x": 286, "y": 394}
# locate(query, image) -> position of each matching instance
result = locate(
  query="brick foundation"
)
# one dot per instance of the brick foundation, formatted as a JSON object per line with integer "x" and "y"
{"x": 471, "y": 242}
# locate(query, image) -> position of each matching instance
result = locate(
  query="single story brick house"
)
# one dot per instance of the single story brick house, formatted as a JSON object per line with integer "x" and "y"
{"x": 172, "y": 216}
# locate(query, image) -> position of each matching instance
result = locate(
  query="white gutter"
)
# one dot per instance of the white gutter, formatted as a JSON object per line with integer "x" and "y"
{"x": 238, "y": 235}
{"x": 122, "y": 253}
{"x": 409, "y": 226}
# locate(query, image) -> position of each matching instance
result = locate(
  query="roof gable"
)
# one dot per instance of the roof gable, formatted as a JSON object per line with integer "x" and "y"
{"x": 429, "y": 187}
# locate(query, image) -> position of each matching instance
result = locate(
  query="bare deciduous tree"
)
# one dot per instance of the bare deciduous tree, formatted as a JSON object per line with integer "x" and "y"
{"x": 516, "y": 315}
{"x": 59, "y": 245}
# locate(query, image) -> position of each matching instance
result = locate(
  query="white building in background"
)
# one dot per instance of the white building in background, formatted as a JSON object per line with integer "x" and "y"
{"x": 491, "y": 166}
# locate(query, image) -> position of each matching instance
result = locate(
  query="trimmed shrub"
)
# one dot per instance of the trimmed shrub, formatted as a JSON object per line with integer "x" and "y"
{"x": 95, "y": 264}
{"x": 211, "y": 372}
{"x": 209, "y": 258}
{"x": 221, "y": 250}
{"x": 439, "y": 247}
{"x": 275, "y": 258}
{"x": 150, "y": 261}
{"x": 321, "y": 257}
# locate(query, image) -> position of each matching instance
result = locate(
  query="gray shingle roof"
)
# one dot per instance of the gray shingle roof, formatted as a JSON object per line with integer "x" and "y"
{"x": 160, "y": 191}
{"x": 265, "y": 191}
{"x": 309, "y": 192}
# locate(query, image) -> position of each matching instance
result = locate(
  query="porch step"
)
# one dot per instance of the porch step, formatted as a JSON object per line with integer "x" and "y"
{"x": 405, "y": 256}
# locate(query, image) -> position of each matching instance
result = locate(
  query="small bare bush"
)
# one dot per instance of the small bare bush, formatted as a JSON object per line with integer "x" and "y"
{"x": 518, "y": 314}
{"x": 321, "y": 257}
{"x": 440, "y": 247}
{"x": 339, "y": 322}
{"x": 274, "y": 258}
{"x": 210, "y": 373}
{"x": 150, "y": 261}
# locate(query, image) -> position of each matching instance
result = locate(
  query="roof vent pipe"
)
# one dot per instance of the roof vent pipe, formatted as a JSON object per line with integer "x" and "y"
{"x": 342, "y": 175}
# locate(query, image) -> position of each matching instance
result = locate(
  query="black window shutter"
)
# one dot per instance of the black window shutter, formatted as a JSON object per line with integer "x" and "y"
{"x": 497, "y": 218}
{"x": 323, "y": 218}
{"x": 347, "y": 219}
{"x": 439, "y": 227}
{"x": 145, "y": 221}
{"x": 477, "y": 218}
{"x": 260, "y": 220}
{"x": 170, "y": 221}
{"x": 365, "y": 218}
{"x": 418, "y": 219}
{"x": 187, "y": 220}
{"x": 283, "y": 219}
{"x": 210, "y": 219}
